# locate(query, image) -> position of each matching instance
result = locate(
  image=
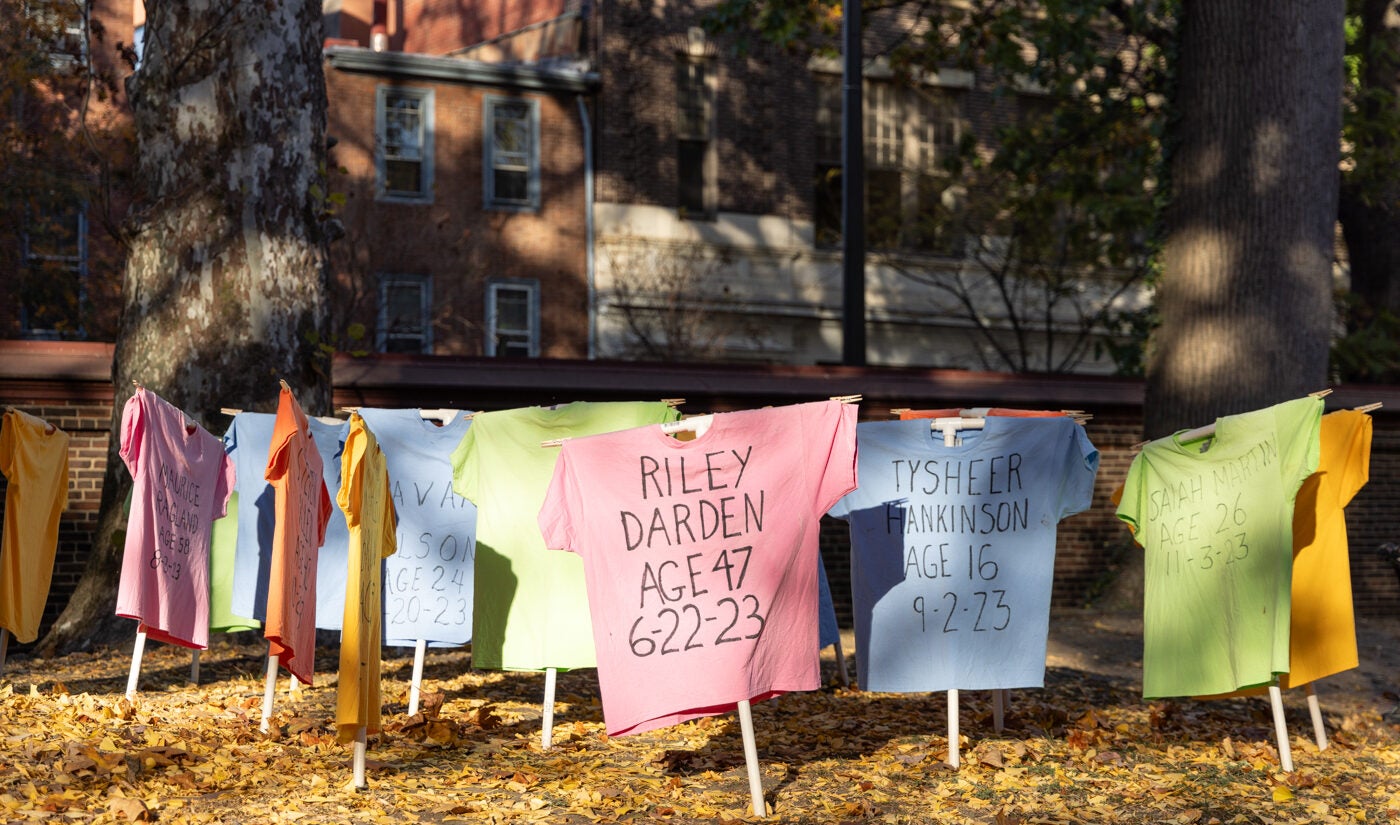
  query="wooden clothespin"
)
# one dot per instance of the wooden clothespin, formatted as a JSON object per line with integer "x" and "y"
{"x": 673, "y": 402}
{"x": 1368, "y": 407}
{"x": 846, "y": 399}
{"x": 230, "y": 410}
{"x": 898, "y": 410}
{"x": 553, "y": 442}
{"x": 285, "y": 385}
{"x": 1320, "y": 393}
{"x": 349, "y": 409}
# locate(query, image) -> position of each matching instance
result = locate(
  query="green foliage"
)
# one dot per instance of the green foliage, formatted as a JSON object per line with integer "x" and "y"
{"x": 1057, "y": 197}
{"x": 1369, "y": 352}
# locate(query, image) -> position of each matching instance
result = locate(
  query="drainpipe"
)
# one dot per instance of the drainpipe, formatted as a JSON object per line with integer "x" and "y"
{"x": 588, "y": 228}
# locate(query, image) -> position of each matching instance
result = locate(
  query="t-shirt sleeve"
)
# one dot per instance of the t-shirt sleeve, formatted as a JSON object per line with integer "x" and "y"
{"x": 388, "y": 541}
{"x": 7, "y": 445}
{"x": 464, "y": 465}
{"x": 1081, "y": 465}
{"x": 351, "y": 470}
{"x": 834, "y": 431}
{"x": 1356, "y": 469}
{"x": 556, "y": 516}
{"x": 1298, "y": 423}
{"x": 327, "y": 507}
{"x": 1130, "y": 505}
{"x": 133, "y": 434}
{"x": 226, "y": 484}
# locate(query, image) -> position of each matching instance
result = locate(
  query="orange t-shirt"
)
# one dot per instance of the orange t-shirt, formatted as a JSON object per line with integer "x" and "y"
{"x": 1322, "y": 630}
{"x": 369, "y": 513}
{"x": 302, "y": 507}
{"x": 34, "y": 458}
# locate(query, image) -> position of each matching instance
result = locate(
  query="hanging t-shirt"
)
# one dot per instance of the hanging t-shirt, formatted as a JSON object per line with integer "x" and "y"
{"x": 223, "y": 552}
{"x": 1322, "y": 631}
{"x": 999, "y": 412}
{"x": 34, "y": 460}
{"x": 1215, "y": 519}
{"x": 531, "y": 605}
{"x": 182, "y": 482}
{"x": 332, "y": 557}
{"x": 700, "y": 556}
{"x": 364, "y": 498}
{"x": 953, "y": 549}
{"x": 303, "y": 509}
{"x": 248, "y": 441}
{"x": 428, "y": 582}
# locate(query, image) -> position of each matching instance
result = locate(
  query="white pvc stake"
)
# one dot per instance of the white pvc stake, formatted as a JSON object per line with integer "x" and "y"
{"x": 760, "y": 809}
{"x": 136, "y": 652}
{"x": 1315, "y": 710}
{"x": 841, "y": 660}
{"x": 953, "y": 727}
{"x": 1285, "y": 751}
{"x": 4, "y": 643}
{"x": 998, "y": 710}
{"x": 413, "y": 687}
{"x": 360, "y": 737}
{"x": 194, "y": 667}
{"x": 267, "y": 691}
{"x": 547, "y": 728}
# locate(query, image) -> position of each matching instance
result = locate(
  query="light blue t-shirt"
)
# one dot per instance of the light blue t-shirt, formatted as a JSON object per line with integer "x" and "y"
{"x": 953, "y": 549}
{"x": 247, "y": 442}
{"x": 428, "y": 583}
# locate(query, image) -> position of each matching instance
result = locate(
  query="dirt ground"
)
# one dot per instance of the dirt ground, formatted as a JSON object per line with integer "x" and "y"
{"x": 1110, "y": 644}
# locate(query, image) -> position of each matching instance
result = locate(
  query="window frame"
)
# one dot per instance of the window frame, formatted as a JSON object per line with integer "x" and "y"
{"x": 382, "y": 333}
{"x": 76, "y": 263}
{"x": 906, "y": 132}
{"x": 531, "y": 286}
{"x": 490, "y": 200}
{"x": 702, "y": 135}
{"x": 426, "y": 97}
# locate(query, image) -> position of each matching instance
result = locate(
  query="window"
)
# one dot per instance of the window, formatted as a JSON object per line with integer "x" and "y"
{"x": 404, "y": 143}
{"x": 405, "y": 320}
{"x": 513, "y": 318}
{"x": 53, "y": 287}
{"x": 512, "y": 162}
{"x": 695, "y": 161}
{"x": 908, "y": 134}
{"x": 61, "y": 24}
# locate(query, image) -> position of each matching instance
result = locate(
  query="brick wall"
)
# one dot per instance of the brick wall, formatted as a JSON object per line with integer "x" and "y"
{"x": 452, "y": 238}
{"x": 68, "y": 385}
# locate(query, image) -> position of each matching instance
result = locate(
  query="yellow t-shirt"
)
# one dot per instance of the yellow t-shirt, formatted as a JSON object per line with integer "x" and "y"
{"x": 369, "y": 513}
{"x": 34, "y": 458}
{"x": 1322, "y": 632}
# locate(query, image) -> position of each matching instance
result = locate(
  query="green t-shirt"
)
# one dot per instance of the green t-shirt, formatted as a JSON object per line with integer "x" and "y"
{"x": 531, "y": 607}
{"x": 222, "y": 543}
{"x": 1215, "y": 518}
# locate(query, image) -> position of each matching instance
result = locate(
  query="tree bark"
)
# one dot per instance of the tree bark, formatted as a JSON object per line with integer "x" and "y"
{"x": 225, "y": 284}
{"x": 1370, "y": 195}
{"x": 1245, "y": 297}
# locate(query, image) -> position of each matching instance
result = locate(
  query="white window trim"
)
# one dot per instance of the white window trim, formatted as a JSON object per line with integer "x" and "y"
{"x": 530, "y": 285}
{"x": 425, "y": 285}
{"x": 381, "y": 96}
{"x": 532, "y": 161}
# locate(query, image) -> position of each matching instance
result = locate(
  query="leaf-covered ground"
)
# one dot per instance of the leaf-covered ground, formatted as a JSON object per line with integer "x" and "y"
{"x": 1086, "y": 748}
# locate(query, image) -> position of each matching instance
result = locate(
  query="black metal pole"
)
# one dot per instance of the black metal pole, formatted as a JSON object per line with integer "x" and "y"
{"x": 852, "y": 191}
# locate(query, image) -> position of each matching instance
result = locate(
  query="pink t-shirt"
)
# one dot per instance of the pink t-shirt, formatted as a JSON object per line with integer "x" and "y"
{"x": 700, "y": 556}
{"x": 182, "y": 483}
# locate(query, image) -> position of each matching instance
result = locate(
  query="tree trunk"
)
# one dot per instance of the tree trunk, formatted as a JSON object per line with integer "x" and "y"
{"x": 225, "y": 279}
{"x": 1245, "y": 297}
{"x": 1370, "y": 196}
